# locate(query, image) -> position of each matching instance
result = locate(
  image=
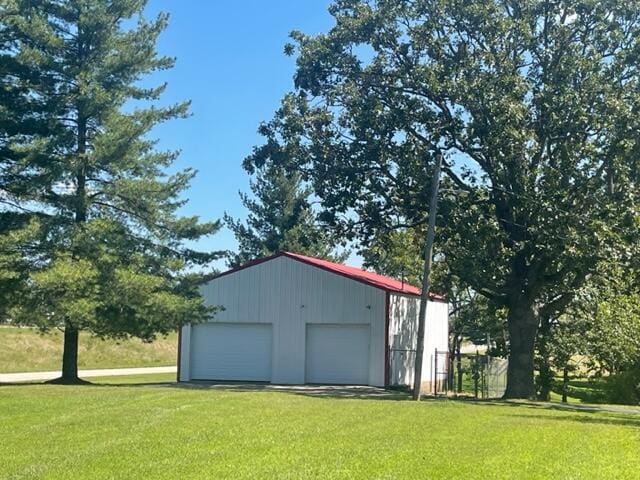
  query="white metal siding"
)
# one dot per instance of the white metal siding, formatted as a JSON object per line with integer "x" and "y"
{"x": 184, "y": 368}
{"x": 337, "y": 354}
{"x": 291, "y": 294}
{"x": 403, "y": 334}
{"x": 227, "y": 351}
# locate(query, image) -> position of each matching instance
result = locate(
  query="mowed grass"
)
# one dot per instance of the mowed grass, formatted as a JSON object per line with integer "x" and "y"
{"x": 120, "y": 430}
{"x": 27, "y": 350}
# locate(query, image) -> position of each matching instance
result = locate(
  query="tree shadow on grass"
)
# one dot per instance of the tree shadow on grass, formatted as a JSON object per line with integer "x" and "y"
{"x": 628, "y": 414}
{"x": 587, "y": 408}
{"x": 315, "y": 391}
{"x": 603, "y": 418}
{"x": 86, "y": 383}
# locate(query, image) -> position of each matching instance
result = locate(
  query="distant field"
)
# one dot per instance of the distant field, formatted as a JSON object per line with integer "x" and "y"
{"x": 27, "y": 350}
{"x": 137, "y": 431}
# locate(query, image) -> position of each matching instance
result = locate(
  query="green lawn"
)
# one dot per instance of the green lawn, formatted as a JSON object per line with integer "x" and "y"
{"x": 27, "y": 350}
{"x": 132, "y": 430}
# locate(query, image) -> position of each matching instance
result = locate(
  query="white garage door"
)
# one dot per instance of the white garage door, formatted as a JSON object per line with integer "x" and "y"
{"x": 231, "y": 351}
{"x": 337, "y": 354}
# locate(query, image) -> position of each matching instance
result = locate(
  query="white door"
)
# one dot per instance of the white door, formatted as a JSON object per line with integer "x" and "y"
{"x": 231, "y": 351}
{"x": 337, "y": 354}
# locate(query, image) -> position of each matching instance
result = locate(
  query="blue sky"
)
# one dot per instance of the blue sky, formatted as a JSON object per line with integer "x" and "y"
{"x": 231, "y": 65}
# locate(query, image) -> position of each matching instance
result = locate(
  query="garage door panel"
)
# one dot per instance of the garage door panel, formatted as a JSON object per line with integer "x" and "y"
{"x": 231, "y": 351}
{"x": 337, "y": 354}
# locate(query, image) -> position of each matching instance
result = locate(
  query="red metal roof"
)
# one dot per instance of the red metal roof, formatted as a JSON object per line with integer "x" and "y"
{"x": 371, "y": 278}
{"x": 363, "y": 276}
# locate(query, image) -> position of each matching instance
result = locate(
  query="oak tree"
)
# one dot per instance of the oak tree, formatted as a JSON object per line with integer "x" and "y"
{"x": 533, "y": 103}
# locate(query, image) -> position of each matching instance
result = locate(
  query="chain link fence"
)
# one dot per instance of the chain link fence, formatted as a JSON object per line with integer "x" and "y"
{"x": 471, "y": 375}
{"x": 476, "y": 375}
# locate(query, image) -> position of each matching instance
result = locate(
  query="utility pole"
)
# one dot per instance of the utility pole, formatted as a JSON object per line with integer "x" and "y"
{"x": 424, "y": 296}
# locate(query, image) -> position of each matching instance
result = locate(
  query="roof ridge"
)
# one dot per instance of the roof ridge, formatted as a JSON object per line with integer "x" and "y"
{"x": 359, "y": 274}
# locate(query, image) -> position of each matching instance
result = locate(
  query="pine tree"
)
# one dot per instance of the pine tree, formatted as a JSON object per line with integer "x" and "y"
{"x": 20, "y": 117}
{"x": 17, "y": 255}
{"x": 113, "y": 243}
{"x": 281, "y": 218}
{"x": 397, "y": 254}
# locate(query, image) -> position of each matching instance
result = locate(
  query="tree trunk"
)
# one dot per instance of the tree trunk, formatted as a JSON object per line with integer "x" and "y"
{"x": 71, "y": 333}
{"x": 459, "y": 364}
{"x": 69, "y": 357}
{"x": 565, "y": 383}
{"x": 523, "y": 324}
{"x": 546, "y": 380}
{"x": 70, "y": 354}
{"x": 544, "y": 366}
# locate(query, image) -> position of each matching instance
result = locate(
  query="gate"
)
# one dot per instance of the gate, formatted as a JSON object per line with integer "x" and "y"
{"x": 480, "y": 376}
{"x": 435, "y": 371}
{"x": 496, "y": 375}
{"x": 473, "y": 375}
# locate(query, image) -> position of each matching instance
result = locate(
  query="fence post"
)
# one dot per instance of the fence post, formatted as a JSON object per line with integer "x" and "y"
{"x": 447, "y": 373}
{"x": 458, "y": 356}
{"x": 484, "y": 377}
{"x": 476, "y": 374}
{"x": 451, "y": 367}
{"x": 435, "y": 376}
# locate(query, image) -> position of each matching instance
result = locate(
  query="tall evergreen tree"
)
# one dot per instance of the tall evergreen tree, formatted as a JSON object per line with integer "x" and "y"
{"x": 18, "y": 254}
{"x": 21, "y": 116}
{"x": 397, "y": 254}
{"x": 281, "y": 217}
{"x": 112, "y": 239}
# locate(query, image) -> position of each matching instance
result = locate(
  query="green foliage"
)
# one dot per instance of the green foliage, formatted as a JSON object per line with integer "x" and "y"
{"x": 602, "y": 324}
{"x": 111, "y": 240}
{"x": 21, "y": 116}
{"x": 281, "y": 217}
{"x": 621, "y": 388}
{"x": 624, "y": 387}
{"x": 559, "y": 342}
{"x": 599, "y": 333}
{"x": 397, "y": 254}
{"x": 533, "y": 105}
{"x": 477, "y": 320}
{"x": 16, "y": 251}
{"x": 614, "y": 336}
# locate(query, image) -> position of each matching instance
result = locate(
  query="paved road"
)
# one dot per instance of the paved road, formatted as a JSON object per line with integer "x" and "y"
{"x": 102, "y": 372}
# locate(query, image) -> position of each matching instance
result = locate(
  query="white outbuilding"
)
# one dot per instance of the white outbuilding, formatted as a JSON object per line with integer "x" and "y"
{"x": 293, "y": 319}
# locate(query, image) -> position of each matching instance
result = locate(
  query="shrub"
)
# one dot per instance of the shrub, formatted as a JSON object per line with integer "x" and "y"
{"x": 624, "y": 387}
